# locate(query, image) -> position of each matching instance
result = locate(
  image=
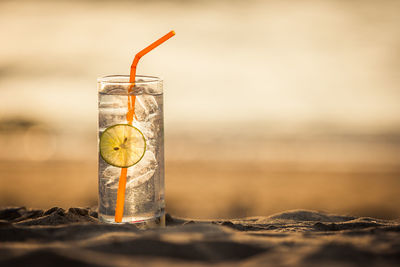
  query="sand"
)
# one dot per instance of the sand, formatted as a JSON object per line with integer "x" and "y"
{"x": 75, "y": 237}
{"x": 202, "y": 190}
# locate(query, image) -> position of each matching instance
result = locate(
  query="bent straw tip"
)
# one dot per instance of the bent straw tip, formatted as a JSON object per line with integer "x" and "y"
{"x": 173, "y": 32}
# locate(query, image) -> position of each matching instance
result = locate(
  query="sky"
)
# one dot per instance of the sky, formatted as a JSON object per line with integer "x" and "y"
{"x": 277, "y": 64}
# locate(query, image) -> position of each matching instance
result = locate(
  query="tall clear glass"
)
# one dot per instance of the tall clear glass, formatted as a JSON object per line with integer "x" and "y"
{"x": 144, "y": 193}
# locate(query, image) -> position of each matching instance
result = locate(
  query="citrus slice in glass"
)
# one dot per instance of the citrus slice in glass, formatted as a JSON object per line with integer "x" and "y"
{"x": 122, "y": 145}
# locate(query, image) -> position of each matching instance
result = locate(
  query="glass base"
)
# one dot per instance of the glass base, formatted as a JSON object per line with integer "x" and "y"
{"x": 140, "y": 222}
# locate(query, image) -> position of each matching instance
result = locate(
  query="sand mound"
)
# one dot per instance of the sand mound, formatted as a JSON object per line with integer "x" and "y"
{"x": 307, "y": 215}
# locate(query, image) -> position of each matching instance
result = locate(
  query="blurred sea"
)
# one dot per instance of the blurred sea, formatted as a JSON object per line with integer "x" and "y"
{"x": 269, "y": 105}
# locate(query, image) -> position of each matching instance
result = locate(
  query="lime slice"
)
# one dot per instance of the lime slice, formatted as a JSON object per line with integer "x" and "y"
{"x": 122, "y": 145}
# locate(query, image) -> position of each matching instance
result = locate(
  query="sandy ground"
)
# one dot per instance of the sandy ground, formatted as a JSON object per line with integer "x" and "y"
{"x": 229, "y": 175}
{"x": 207, "y": 190}
{"x": 228, "y": 188}
{"x": 292, "y": 238}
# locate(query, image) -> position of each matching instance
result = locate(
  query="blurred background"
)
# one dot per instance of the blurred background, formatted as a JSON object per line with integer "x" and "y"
{"x": 269, "y": 105}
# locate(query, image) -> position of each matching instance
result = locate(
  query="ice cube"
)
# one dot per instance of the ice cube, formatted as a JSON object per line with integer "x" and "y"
{"x": 151, "y": 127}
{"x": 145, "y": 106}
{"x": 112, "y": 101}
{"x": 146, "y": 128}
{"x": 113, "y": 89}
{"x": 111, "y": 116}
{"x": 111, "y": 175}
{"x": 142, "y": 171}
{"x": 136, "y": 175}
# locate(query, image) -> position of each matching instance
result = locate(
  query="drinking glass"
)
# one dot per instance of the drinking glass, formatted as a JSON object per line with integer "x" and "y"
{"x": 144, "y": 193}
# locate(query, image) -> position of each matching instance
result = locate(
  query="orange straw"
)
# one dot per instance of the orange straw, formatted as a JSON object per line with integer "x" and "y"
{"x": 131, "y": 99}
{"x": 119, "y": 209}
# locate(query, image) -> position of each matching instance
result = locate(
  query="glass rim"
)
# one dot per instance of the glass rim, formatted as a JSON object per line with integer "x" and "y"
{"x": 116, "y": 79}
